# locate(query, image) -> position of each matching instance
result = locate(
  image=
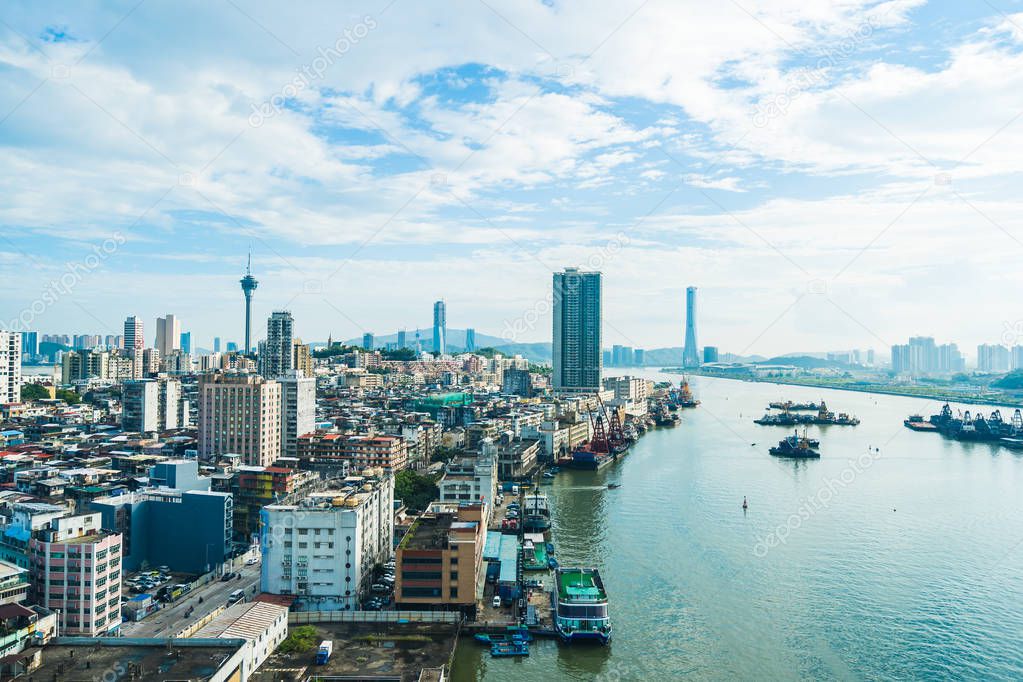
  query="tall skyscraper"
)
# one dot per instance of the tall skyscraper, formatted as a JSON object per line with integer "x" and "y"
{"x": 578, "y": 361}
{"x": 30, "y": 343}
{"x": 240, "y": 413}
{"x": 710, "y": 354}
{"x": 186, "y": 342}
{"x": 367, "y": 340}
{"x": 470, "y": 340}
{"x": 440, "y": 327}
{"x": 10, "y": 368}
{"x": 277, "y": 354}
{"x": 216, "y": 344}
{"x": 168, "y": 335}
{"x": 402, "y": 340}
{"x": 249, "y": 285}
{"x": 691, "y": 352}
{"x": 134, "y": 335}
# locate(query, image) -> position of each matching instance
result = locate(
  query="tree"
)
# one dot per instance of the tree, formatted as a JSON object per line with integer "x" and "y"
{"x": 1011, "y": 381}
{"x": 415, "y": 490}
{"x": 70, "y": 397}
{"x": 34, "y": 392}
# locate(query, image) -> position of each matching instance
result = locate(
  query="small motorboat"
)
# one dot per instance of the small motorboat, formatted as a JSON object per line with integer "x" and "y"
{"x": 613, "y": 486}
{"x": 745, "y": 504}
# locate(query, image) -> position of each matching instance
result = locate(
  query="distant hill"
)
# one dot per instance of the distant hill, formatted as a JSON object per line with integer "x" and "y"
{"x": 455, "y": 339}
{"x": 534, "y": 352}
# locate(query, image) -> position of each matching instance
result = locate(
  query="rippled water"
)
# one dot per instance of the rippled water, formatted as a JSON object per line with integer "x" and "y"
{"x": 903, "y": 564}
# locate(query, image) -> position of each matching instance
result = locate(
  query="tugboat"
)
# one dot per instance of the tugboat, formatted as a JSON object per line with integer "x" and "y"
{"x": 685, "y": 395}
{"x": 796, "y": 446}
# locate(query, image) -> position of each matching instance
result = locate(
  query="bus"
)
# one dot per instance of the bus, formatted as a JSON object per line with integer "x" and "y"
{"x": 235, "y": 597}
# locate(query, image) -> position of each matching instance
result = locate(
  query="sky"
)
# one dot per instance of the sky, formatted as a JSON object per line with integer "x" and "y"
{"x": 830, "y": 175}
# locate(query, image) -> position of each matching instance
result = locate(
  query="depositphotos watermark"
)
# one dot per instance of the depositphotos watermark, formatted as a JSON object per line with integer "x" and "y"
{"x": 815, "y": 503}
{"x": 74, "y": 273}
{"x": 807, "y": 77}
{"x": 526, "y": 322}
{"x": 313, "y": 71}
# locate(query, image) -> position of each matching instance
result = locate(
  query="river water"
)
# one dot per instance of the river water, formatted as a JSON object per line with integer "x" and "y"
{"x": 905, "y": 563}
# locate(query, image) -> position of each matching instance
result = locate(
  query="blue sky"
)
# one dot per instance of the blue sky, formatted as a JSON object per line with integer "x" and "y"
{"x": 835, "y": 176}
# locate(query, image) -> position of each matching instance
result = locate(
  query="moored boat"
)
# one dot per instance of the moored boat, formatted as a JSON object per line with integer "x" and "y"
{"x": 580, "y": 606}
{"x": 536, "y": 513}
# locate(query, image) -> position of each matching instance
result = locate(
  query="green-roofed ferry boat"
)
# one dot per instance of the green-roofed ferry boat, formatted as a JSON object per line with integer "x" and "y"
{"x": 580, "y": 606}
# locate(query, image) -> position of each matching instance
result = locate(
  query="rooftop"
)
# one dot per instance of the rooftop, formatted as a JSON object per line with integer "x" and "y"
{"x": 84, "y": 659}
{"x": 242, "y": 621}
{"x": 580, "y": 584}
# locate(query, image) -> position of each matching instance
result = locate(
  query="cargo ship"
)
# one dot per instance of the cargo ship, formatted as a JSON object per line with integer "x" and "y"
{"x": 536, "y": 513}
{"x": 796, "y": 446}
{"x": 824, "y": 417}
{"x": 590, "y": 459}
{"x": 790, "y": 406}
{"x": 580, "y": 606}
{"x": 916, "y": 423}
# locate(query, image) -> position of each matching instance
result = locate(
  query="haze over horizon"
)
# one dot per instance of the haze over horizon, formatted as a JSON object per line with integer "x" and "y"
{"x": 829, "y": 177}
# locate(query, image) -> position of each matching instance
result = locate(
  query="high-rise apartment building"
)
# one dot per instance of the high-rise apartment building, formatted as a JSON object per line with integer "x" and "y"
{"x": 691, "y": 352}
{"x": 168, "y": 335}
{"x": 134, "y": 342}
{"x": 440, "y": 327}
{"x": 240, "y": 414}
{"x": 298, "y": 410}
{"x": 303, "y": 358}
{"x": 10, "y": 368}
{"x": 76, "y": 570}
{"x": 277, "y": 353}
{"x": 993, "y": 358}
{"x": 578, "y": 361}
{"x": 923, "y": 356}
{"x": 151, "y": 405}
{"x": 84, "y": 365}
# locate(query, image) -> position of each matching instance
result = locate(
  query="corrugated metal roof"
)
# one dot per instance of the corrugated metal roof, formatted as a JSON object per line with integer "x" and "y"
{"x": 242, "y": 621}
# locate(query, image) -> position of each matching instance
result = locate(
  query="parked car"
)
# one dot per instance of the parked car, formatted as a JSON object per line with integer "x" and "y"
{"x": 497, "y": 602}
{"x": 379, "y": 587}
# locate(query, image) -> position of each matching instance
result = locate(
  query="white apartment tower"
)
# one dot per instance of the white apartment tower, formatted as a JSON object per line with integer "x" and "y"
{"x": 298, "y": 410}
{"x": 323, "y": 550}
{"x": 10, "y": 368}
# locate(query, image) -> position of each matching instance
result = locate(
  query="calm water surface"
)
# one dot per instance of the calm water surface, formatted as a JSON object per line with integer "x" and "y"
{"x": 904, "y": 564}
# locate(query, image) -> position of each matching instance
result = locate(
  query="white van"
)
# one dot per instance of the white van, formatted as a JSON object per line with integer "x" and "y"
{"x": 497, "y": 602}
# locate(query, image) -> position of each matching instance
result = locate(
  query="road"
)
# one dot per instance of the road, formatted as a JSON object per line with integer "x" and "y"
{"x": 171, "y": 619}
